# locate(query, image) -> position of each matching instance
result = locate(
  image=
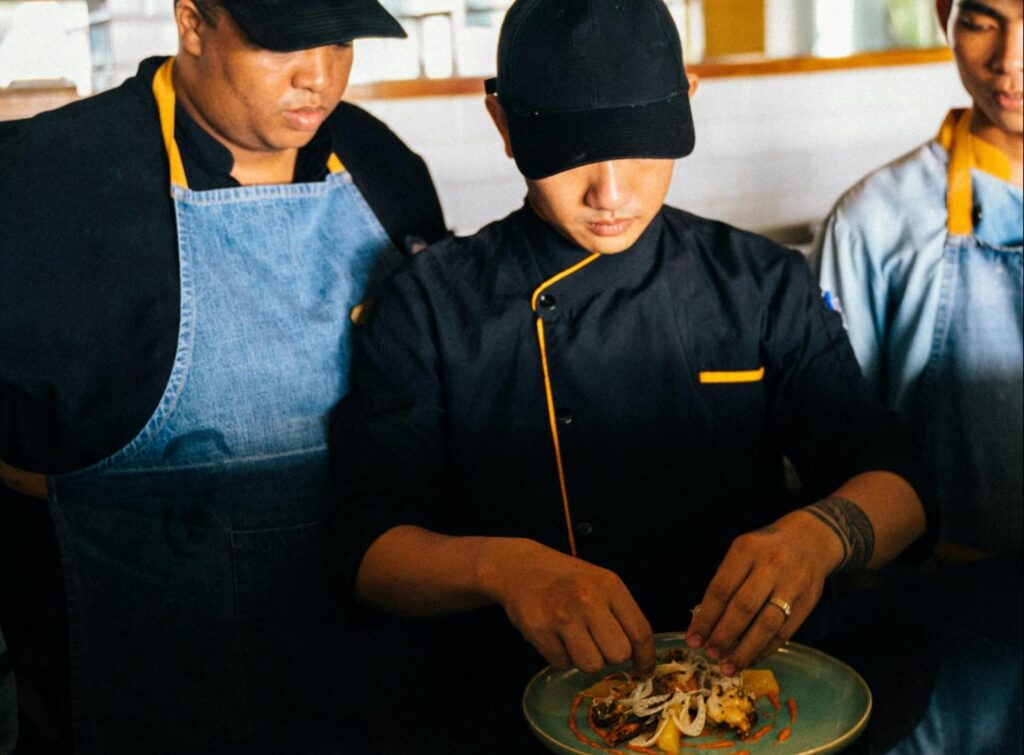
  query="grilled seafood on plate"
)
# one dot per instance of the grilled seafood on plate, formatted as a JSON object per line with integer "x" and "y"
{"x": 687, "y": 696}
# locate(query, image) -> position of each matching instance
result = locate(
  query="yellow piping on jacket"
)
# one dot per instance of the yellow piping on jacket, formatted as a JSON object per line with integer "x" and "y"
{"x": 550, "y": 397}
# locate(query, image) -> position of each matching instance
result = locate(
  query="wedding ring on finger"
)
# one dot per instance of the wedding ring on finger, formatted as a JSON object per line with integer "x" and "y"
{"x": 782, "y": 605}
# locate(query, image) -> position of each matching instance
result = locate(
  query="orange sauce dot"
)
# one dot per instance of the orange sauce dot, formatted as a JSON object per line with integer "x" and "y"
{"x": 759, "y": 733}
{"x": 713, "y": 745}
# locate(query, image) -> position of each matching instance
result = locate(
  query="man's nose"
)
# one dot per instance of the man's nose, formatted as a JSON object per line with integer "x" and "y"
{"x": 1009, "y": 56}
{"x": 607, "y": 189}
{"x": 314, "y": 69}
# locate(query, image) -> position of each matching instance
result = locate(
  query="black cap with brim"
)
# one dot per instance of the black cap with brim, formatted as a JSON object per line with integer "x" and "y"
{"x": 287, "y": 25}
{"x": 552, "y": 142}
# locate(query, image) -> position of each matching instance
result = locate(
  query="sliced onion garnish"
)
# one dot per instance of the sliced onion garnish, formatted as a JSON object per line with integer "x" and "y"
{"x": 642, "y": 690}
{"x": 641, "y": 741}
{"x": 691, "y": 726}
{"x": 687, "y": 710}
{"x": 673, "y": 667}
{"x": 651, "y": 705}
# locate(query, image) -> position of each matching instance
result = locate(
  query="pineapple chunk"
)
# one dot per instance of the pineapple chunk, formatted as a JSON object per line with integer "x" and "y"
{"x": 668, "y": 740}
{"x": 759, "y": 682}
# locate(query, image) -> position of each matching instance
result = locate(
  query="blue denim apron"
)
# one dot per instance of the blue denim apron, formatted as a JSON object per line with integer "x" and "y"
{"x": 202, "y": 613}
{"x": 968, "y": 411}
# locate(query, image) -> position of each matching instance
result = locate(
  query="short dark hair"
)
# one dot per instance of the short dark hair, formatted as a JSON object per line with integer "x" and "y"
{"x": 210, "y": 10}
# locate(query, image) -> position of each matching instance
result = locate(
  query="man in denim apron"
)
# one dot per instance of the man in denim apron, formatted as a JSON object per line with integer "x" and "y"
{"x": 923, "y": 259}
{"x": 202, "y": 613}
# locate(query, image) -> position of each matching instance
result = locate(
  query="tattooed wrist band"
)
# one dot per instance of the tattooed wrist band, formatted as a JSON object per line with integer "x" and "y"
{"x": 852, "y": 527}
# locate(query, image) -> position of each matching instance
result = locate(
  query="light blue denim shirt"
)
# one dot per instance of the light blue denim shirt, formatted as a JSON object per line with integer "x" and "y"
{"x": 935, "y": 321}
{"x": 879, "y": 255}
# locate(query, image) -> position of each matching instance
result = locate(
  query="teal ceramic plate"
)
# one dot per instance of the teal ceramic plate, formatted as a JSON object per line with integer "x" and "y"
{"x": 832, "y": 700}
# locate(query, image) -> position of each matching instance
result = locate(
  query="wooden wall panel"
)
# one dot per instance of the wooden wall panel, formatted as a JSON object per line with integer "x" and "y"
{"x": 22, "y": 103}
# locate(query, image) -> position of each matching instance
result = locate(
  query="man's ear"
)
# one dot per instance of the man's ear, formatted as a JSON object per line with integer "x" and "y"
{"x": 694, "y": 80}
{"x": 191, "y": 26}
{"x": 497, "y": 113}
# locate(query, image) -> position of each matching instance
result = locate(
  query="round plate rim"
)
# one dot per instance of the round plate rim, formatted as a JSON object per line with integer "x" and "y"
{"x": 790, "y": 647}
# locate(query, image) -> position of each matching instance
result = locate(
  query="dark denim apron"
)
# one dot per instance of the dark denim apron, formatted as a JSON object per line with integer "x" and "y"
{"x": 968, "y": 409}
{"x": 969, "y": 416}
{"x": 202, "y": 613}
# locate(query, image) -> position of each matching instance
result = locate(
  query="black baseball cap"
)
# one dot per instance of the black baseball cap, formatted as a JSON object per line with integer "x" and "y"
{"x": 584, "y": 81}
{"x": 286, "y": 25}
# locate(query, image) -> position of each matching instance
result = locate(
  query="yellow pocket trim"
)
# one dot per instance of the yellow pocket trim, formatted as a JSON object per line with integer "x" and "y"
{"x": 743, "y": 376}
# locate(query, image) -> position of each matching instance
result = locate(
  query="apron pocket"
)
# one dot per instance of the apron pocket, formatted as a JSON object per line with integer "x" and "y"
{"x": 290, "y": 621}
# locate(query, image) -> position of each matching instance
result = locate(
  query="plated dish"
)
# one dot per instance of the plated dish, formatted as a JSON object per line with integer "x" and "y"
{"x": 821, "y": 705}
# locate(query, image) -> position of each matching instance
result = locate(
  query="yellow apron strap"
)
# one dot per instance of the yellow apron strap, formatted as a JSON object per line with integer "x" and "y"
{"x": 959, "y": 198}
{"x": 966, "y": 153}
{"x": 26, "y": 483}
{"x": 945, "y": 135}
{"x": 163, "y": 91}
{"x": 334, "y": 165}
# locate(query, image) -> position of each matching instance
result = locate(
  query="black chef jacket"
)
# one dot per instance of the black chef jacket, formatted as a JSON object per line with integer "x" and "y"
{"x": 446, "y": 425}
{"x": 89, "y": 303}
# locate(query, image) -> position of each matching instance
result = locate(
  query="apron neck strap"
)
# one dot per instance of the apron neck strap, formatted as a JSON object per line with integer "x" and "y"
{"x": 163, "y": 93}
{"x": 334, "y": 165}
{"x": 959, "y": 199}
{"x": 966, "y": 152}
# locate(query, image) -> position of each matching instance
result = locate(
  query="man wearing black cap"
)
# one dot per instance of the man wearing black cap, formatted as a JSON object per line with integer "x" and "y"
{"x": 181, "y": 261}
{"x": 562, "y": 426}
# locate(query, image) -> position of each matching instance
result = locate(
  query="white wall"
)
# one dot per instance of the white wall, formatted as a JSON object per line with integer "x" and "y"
{"x": 45, "y": 40}
{"x": 125, "y": 32}
{"x": 772, "y": 151}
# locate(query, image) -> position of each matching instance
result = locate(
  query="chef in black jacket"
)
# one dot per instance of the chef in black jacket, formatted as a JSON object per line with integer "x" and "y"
{"x": 180, "y": 262}
{"x": 571, "y": 425}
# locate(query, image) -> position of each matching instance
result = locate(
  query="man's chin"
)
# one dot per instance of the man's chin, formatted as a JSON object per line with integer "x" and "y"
{"x": 610, "y": 248}
{"x": 598, "y": 244}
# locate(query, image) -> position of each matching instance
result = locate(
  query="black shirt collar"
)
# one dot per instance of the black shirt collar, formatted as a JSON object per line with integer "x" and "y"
{"x": 208, "y": 163}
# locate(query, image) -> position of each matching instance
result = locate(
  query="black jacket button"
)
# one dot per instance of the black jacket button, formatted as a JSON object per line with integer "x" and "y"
{"x": 585, "y": 528}
{"x": 564, "y": 418}
{"x": 546, "y": 301}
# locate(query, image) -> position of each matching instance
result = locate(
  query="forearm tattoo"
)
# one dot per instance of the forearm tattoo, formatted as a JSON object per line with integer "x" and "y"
{"x": 852, "y": 527}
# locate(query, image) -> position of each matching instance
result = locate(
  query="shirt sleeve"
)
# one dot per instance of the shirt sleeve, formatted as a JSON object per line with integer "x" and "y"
{"x": 387, "y": 440}
{"x": 394, "y": 180}
{"x": 853, "y": 287}
{"x": 823, "y": 415}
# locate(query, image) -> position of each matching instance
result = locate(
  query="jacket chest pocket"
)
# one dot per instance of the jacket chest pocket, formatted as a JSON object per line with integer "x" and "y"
{"x": 731, "y": 377}
{"x": 736, "y": 401}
